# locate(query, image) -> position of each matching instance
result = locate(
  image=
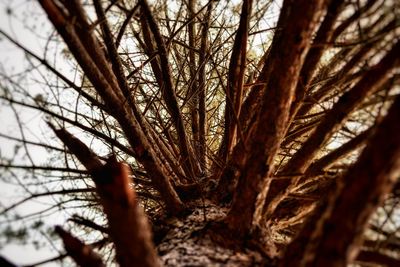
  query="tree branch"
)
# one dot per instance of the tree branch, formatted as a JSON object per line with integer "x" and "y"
{"x": 370, "y": 179}
{"x": 298, "y": 21}
{"x": 82, "y": 254}
{"x": 169, "y": 94}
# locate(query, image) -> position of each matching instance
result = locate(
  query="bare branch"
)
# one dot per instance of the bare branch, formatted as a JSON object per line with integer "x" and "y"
{"x": 82, "y": 254}
{"x": 298, "y": 23}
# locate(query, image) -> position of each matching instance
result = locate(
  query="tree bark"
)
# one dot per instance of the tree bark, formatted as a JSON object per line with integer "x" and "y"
{"x": 336, "y": 237}
{"x": 299, "y": 20}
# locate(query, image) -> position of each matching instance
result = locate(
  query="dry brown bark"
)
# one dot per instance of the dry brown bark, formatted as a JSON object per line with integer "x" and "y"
{"x": 168, "y": 92}
{"x": 369, "y": 257}
{"x": 373, "y": 80}
{"x": 370, "y": 82}
{"x": 82, "y": 254}
{"x": 143, "y": 151}
{"x": 227, "y": 175}
{"x": 349, "y": 67}
{"x": 202, "y": 91}
{"x": 193, "y": 86}
{"x": 299, "y": 21}
{"x": 249, "y": 113}
{"x": 327, "y": 160}
{"x": 322, "y": 40}
{"x": 77, "y": 20}
{"x": 234, "y": 88}
{"x": 117, "y": 68}
{"x": 336, "y": 237}
{"x": 257, "y": 169}
{"x": 132, "y": 235}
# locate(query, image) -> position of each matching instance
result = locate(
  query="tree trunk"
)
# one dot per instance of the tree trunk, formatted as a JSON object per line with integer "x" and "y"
{"x": 229, "y": 160}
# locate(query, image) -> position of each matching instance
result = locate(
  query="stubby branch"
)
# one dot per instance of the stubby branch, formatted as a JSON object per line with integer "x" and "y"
{"x": 131, "y": 236}
{"x": 82, "y": 254}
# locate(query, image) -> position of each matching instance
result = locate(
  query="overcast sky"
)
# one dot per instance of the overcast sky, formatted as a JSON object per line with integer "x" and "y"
{"x": 18, "y": 18}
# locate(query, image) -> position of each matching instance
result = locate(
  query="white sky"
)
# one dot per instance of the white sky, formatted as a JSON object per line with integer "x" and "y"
{"x": 13, "y": 60}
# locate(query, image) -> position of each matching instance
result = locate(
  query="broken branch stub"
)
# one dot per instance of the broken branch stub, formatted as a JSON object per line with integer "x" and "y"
{"x": 128, "y": 225}
{"x": 82, "y": 254}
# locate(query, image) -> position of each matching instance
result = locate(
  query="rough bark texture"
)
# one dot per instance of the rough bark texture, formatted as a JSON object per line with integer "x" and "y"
{"x": 189, "y": 242}
{"x": 234, "y": 94}
{"x": 335, "y": 239}
{"x": 137, "y": 140}
{"x": 132, "y": 235}
{"x": 233, "y": 160}
{"x": 298, "y": 23}
{"x": 373, "y": 80}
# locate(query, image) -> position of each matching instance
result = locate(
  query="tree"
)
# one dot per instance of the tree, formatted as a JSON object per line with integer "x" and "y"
{"x": 239, "y": 151}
